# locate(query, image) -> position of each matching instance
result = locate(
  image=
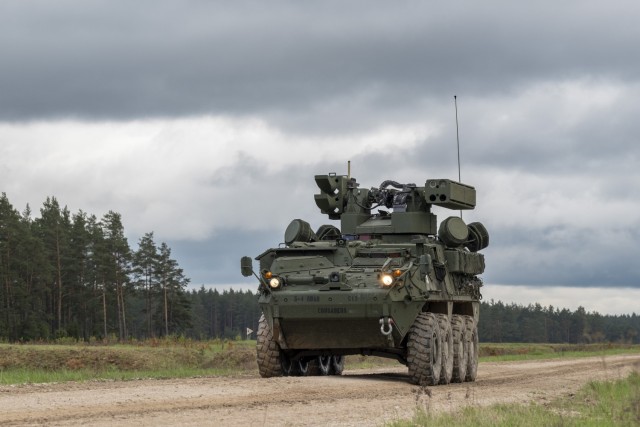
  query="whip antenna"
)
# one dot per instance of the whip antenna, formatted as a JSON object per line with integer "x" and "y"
{"x": 455, "y": 102}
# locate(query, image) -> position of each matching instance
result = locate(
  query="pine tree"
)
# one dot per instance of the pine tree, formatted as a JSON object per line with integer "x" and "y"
{"x": 34, "y": 280}
{"x": 145, "y": 266}
{"x": 175, "y": 306}
{"x": 118, "y": 259}
{"x": 9, "y": 241}
{"x": 54, "y": 226}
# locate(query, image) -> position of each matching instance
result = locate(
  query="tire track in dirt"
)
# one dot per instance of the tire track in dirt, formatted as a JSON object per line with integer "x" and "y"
{"x": 360, "y": 397}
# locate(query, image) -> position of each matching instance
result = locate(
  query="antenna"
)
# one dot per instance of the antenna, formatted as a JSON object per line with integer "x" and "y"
{"x": 455, "y": 102}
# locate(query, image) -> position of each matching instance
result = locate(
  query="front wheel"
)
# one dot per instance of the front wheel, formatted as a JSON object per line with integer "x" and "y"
{"x": 424, "y": 354}
{"x": 268, "y": 351}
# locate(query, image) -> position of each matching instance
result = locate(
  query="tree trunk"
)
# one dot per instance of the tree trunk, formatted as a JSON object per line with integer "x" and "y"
{"x": 150, "y": 331}
{"x": 7, "y": 282}
{"x": 59, "y": 268}
{"x": 104, "y": 309}
{"x": 124, "y": 313}
{"x": 119, "y": 309}
{"x": 166, "y": 311}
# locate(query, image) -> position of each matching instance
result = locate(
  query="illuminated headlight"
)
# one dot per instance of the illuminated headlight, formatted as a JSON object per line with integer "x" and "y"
{"x": 275, "y": 282}
{"x": 386, "y": 279}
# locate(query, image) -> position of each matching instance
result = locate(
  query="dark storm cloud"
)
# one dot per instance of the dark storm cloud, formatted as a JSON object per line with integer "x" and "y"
{"x": 293, "y": 60}
{"x": 560, "y": 254}
{"x": 218, "y": 260}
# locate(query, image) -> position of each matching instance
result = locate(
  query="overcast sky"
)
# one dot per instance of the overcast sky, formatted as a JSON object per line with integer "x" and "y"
{"x": 205, "y": 122}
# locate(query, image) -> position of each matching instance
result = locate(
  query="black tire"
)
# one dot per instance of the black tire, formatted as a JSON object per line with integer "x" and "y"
{"x": 337, "y": 365}
{"x": 268, "y": 351}
{"x": 302, "y": 367}
{"x": 460, "y": 353}
{"x": 324, "y": 365}
{"x": 446, "y": 334}
{"x": 293, "y": 368}
{"x": 472, "y": 346}
{"x": 287, "y": 365}
{"x": 424, "y": 350}
{"x": 313, "y": 370}
{"x": 319, "y": 366}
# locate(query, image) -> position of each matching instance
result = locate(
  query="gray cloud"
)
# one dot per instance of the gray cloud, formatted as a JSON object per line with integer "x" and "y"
{"x": 294, "y": 62}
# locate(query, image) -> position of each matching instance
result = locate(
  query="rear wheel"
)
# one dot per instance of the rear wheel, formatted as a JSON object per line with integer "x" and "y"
{"x": 472, "y": 344}
{"x": 324, "y": 365}
{"x": 337, "y": 365}
{"x": 446, "y": 334}
{"x": 302, "y": 367}
{"x": 268, "y": 351}
{"x": 313, "y": 370}
{"x": 320, "y": 365}
{"x": 460, "y": 353}
{"x": 293, "y": 368}
{"x": 424, "y": 354}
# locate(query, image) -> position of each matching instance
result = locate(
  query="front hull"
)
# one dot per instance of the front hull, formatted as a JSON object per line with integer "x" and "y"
{"x": 319, "y": 320}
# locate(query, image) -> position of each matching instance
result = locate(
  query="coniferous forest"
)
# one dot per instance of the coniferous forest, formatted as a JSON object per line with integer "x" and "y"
{"x": 74, "y": 276}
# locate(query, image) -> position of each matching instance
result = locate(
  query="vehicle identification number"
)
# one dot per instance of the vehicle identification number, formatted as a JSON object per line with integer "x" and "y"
{"x": 332, "y": 310}
{"x": 308, "y": 298}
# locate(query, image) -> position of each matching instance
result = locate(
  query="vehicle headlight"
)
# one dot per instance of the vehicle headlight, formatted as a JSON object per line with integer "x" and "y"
{"x": 386, "y": 279}
{"x": 275, "y": 282}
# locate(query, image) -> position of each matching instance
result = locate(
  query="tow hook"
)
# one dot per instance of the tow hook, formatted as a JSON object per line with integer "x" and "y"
{"x": 386, "y": 326}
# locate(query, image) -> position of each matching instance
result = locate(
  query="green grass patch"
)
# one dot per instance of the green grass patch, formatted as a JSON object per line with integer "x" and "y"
{"x": 39, "y": 376}
{"x": 40, "y": 363}
{"x": 504, "y": 352}
{"x": 603, "y": 404}
{"x": 523, "y": 351}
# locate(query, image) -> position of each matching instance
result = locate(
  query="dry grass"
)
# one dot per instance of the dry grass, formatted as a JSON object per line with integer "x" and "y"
{"x": 183, "y": 358}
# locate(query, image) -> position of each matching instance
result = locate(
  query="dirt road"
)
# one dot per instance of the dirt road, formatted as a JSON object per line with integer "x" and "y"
{"x": 358, "y": 398}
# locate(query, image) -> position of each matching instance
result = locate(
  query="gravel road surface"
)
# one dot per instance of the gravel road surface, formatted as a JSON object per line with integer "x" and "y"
{"x": 358, "y": 398}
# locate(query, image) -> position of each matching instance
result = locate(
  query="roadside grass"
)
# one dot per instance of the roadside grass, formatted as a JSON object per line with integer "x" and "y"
{"x": 506, "y": 352}
{"x": 170, "y": 358}
{"x": 502, "y": 352}
{"x": 40, "y": 376}
{"x": 615, "y": 403}
{"x": 177, "y": 357}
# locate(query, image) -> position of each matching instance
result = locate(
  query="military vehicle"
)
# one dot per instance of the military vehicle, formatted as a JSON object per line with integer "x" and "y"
{"x": 389, "y": 283}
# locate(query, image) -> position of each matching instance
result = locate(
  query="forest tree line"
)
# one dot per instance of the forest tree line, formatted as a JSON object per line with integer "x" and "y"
{"x": 74, "y": 275}
{"x": 534, "y": 323}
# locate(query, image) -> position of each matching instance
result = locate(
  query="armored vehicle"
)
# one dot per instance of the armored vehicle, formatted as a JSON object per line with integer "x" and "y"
{"x": 389, "y": 283}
